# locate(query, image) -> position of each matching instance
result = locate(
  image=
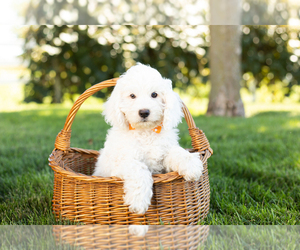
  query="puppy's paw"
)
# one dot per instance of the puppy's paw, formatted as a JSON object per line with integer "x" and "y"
{"x": 138, "y": 199}
{"x": 193, "y": 169}
{"x": 138, "y": 230}
{"x": 138, "y": 207}
{"x": 138, "y": 189}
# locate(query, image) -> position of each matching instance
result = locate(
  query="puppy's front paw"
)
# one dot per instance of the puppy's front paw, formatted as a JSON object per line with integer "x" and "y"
{"x": 138, "y": 230}
{"x": 194, "y": 168}
{"x": 138, "y": 191}
{"x": 138, "y": 198}
{"x": 138, "y": 207}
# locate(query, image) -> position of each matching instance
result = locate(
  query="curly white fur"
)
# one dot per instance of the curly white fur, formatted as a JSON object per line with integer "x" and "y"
{"x": 134, "y": 155}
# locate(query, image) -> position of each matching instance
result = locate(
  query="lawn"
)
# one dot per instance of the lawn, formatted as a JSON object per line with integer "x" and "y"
{"x": 254, "y": 172}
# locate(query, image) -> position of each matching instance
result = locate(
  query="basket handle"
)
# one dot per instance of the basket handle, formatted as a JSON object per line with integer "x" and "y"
{"x": 62, "y": 142}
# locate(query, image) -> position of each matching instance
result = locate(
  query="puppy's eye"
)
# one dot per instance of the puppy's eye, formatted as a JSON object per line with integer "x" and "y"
{"x": 154, "y": 95}
{"x": 132, "y": 96}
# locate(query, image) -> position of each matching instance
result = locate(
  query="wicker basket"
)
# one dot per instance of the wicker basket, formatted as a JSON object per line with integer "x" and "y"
{"x": 78, "y": 196}
{"x": 119, "y": 237}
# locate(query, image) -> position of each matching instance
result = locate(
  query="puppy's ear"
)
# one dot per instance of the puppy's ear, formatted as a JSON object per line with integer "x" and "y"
{"x": 173, "y": 107}
{"x": 112, "y": 112}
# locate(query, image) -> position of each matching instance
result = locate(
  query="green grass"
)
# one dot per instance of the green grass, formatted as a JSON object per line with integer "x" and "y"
{"x": 252, "y": 237}
{"x": 219, "y": 237}
{"x": 254, "y": 172}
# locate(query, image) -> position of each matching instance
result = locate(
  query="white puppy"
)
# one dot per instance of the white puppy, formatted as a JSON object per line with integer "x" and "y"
{"x": 144, "y": 111}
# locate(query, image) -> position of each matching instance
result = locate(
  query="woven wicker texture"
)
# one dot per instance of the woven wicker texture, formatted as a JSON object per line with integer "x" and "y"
{"x": 119, "y": 237}
{"x": 92, "y": 199}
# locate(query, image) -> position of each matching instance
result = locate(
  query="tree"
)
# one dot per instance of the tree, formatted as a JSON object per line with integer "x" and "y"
{"x": 67, "y": 59}
{"x": 225, "y": 60}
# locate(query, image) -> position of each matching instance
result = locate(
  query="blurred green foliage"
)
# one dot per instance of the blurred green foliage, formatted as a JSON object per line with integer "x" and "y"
{"x": 64, "y": 60}
{"x": 270, "y": 57}
{"x": 79, "y": 56}
{"x": 75, "y": 65}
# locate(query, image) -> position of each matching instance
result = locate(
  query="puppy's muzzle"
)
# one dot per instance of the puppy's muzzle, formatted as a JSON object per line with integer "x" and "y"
{"x": 144, "y": 113}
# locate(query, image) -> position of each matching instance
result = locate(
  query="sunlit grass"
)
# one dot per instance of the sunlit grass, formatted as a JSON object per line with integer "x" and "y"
{"x": 11, "y": 99}
{"x": 252, "y": 109}
{"x": 293, "y": 124}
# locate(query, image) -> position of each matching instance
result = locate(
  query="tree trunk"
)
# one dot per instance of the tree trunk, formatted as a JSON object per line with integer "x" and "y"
{"x": 225, "y": 60}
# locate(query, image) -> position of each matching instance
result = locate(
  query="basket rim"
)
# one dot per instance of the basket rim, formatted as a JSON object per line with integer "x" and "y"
{"x": 56, "y": 153}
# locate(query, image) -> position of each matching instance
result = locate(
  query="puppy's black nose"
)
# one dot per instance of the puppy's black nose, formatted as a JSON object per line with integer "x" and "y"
{"x": 144, "y": 113}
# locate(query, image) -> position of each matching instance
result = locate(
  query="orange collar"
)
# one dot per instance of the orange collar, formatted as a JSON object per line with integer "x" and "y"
{"x": 157, "y": 129}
